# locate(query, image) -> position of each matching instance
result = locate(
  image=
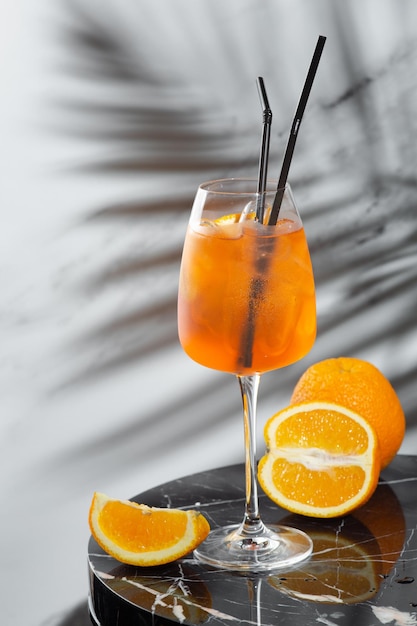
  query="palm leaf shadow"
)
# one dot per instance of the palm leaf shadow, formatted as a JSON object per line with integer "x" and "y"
{"x": 166, "y": 138}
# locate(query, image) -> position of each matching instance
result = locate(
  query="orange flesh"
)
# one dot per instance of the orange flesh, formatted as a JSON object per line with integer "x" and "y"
{"x": 311, "y": 430}
{"x": 139, "y": 531}
{"x": 295, "y": 483}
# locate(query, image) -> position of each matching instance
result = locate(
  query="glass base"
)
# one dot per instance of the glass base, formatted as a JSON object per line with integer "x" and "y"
{"x": 276, "y": 547}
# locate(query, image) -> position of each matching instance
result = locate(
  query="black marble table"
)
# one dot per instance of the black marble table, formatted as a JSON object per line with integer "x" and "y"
{"x": 363, "y": 570}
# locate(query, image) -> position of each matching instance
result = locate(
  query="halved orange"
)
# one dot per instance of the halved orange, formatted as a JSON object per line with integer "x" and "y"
{"x": 322, "y": 459}
{"x": 141, "y": 535}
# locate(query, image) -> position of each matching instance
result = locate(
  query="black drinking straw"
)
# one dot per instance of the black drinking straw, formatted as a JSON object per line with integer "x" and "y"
{"x": 258, "y": 282}
{"x": 264, "y": 153}
{"x": 294, "y": 130}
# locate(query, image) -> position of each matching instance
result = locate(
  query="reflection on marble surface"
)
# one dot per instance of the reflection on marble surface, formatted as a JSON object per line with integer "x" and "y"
{"x": 111, "y": 114}
{"x": 363, "y": 566}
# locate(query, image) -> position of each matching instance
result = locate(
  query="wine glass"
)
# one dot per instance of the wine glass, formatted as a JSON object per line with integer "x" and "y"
{"x": 246, "y": 305}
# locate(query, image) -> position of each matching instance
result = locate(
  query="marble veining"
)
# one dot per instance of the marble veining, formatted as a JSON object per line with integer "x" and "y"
{"x": 363, "y": 566}
{"x": 402, "y": 480}
{"x": 388, "y": 614}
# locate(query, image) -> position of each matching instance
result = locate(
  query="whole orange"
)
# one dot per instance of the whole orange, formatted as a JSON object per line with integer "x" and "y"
{"x": 361, "y": 387}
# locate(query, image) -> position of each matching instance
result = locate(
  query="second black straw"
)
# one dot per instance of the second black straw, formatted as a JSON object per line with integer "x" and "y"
{"x": 264, "y": 154}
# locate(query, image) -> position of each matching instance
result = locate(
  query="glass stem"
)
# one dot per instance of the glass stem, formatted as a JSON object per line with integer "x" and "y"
{"x": 252, "y": 523}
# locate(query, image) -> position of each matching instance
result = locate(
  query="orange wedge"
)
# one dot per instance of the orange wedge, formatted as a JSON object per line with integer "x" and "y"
{"x": 322, "y": 459}
{"x": 141, "y": 535}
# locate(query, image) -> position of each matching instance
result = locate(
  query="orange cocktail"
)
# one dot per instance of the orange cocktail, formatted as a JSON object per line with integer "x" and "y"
{"x": 246, "y": 297}
{"x": 246, "y": 305}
